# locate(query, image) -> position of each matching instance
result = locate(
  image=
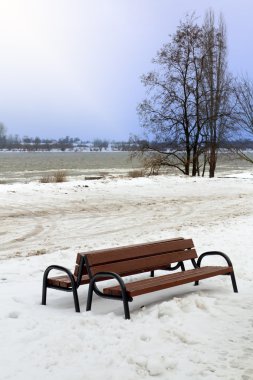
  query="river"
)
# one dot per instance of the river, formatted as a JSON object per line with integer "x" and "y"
{"x": 32, "y": 166}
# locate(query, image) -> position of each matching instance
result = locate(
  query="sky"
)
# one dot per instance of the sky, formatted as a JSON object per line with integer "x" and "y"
{"x": 73, "y": 67}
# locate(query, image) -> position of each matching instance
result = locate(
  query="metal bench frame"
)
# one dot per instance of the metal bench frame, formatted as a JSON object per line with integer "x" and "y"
{"x": 126, "y": 299}
{"x": 83, "y": 267}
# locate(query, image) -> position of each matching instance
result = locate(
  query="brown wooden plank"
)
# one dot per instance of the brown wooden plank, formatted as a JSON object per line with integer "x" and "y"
{"x": 133, "y": 252}
{"x": 78, "y": 261}
{"x": 76, "y": 271}
{"x": 85, "y": 280}
{"x": 79, "y": 257}
{"x": 158, "y": 283}
{"x": 119, "y": 249}
{"x": 145, "y": 263}
{"x": 175, "y": 276}
{"x": 58, "y": 281}
{"x": 64, "y": 281}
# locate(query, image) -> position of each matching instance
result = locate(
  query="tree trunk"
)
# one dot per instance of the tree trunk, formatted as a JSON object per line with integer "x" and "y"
{"x": 188, "y": 161}
{"x": 204, "y": 165}
{"x": 212, "y": 161}
{"x": 194, "y": 165}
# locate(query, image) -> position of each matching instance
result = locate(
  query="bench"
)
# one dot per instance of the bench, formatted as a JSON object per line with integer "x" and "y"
{"x": 70, "y": 282}
{"x": 115, "y": 263}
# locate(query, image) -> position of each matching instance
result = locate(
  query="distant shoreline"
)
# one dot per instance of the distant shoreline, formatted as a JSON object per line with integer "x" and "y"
{"x": 75, "y": 150}
{"x": 62, "y": 151}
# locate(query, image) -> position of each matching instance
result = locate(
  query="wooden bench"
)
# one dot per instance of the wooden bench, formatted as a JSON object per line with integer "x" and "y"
{"x": 70, "y": 282}
{"x": 115, "y": 263}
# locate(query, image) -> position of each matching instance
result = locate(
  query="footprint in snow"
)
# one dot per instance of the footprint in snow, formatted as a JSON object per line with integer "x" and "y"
{"x": 13, "y": 314}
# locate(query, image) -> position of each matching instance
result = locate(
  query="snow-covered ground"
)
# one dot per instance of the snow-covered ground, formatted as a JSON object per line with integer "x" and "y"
{"x": 179, "y": 333}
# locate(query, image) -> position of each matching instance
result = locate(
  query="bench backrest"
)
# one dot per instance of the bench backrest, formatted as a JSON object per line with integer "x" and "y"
{"x": 139, "y": 258}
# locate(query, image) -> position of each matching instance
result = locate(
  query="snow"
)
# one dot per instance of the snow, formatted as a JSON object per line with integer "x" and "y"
{"x": 180, "y": 333}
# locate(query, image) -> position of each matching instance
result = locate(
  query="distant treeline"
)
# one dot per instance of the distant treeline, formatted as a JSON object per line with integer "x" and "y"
{"x": 68, "y": 143}
{"x": 26, "y": 143}
{"x": 240, "y": 144}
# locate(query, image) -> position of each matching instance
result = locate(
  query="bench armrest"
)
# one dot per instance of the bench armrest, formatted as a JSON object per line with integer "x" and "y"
{"x": 110, "y": 275}
{"x": 62, "y": 269}
{"x": 93, "y": 287}
{"x": 213, "y": 253}
{"x": 72, "y": 289}
{"x": 107, "y": 275}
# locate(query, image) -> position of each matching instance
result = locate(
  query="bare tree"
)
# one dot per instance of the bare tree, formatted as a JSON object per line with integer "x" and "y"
{"x": 173, "y": 108}
{"x": 100, "y": 144}
{"x": 189, "y": 96}
{"x": 244, "y": 96}
{"x": 216, "y": 88}
{"x": 244, "y": 111}
{"x": 3, "y": 131}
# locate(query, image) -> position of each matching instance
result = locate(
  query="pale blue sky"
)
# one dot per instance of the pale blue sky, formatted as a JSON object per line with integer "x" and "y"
{"x": 73, "y": 67}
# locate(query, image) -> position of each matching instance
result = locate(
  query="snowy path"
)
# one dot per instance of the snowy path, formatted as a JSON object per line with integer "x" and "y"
{"x": 180, "y": 333}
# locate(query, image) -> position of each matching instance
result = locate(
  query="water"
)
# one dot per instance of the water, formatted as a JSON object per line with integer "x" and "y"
{"x": 32, "y": 166}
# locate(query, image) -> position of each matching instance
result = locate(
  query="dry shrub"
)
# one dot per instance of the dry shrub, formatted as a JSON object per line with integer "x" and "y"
{"x": 46, "y": 179}
{"x": 59, "y": 176}
{"x": 135, "y": 173}
{"x": 152, "y": 163}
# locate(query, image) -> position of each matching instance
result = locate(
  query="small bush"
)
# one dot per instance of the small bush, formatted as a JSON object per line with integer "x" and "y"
{"x": 59, "y": 176}
{"x": 135, "y": 173}
{"x": 46, "y": 179}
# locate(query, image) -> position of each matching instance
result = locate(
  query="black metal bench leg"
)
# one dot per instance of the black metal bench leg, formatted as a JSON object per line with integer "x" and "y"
{"x": 44, "y": 288}
{"x": 152, "y": 273}
{"x": 232, "y": 275}
{"x": 126, "y": 308}
{"x": 89, "y": 299}
{"x": 182, "y": 266}
{"x": 76, "y": 301}
{"x": 44, "y": 293}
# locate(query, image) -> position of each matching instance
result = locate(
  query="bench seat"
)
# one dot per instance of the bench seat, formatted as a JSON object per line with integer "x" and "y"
{"x": 152, "y": 284}
{"x": 64, "y": 281}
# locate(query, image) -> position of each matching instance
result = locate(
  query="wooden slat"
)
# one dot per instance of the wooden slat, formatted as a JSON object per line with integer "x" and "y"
{"x": 64, "y": 281}
{"x": 145, "y": 263}
{"x": 79, "y": 257}
{"x": 158, "y": 283}
{"x": 76, "y": 271}
{"x": 58, "y": 281}
{"x": 118, "y": 250}
{"x": 133, "y": 252}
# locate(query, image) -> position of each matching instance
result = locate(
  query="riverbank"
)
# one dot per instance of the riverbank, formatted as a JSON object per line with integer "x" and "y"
{"x": 180, "y": 333}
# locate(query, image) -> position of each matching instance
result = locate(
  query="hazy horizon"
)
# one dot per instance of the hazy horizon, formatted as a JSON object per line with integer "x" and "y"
{"x": 73, "y": 68}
